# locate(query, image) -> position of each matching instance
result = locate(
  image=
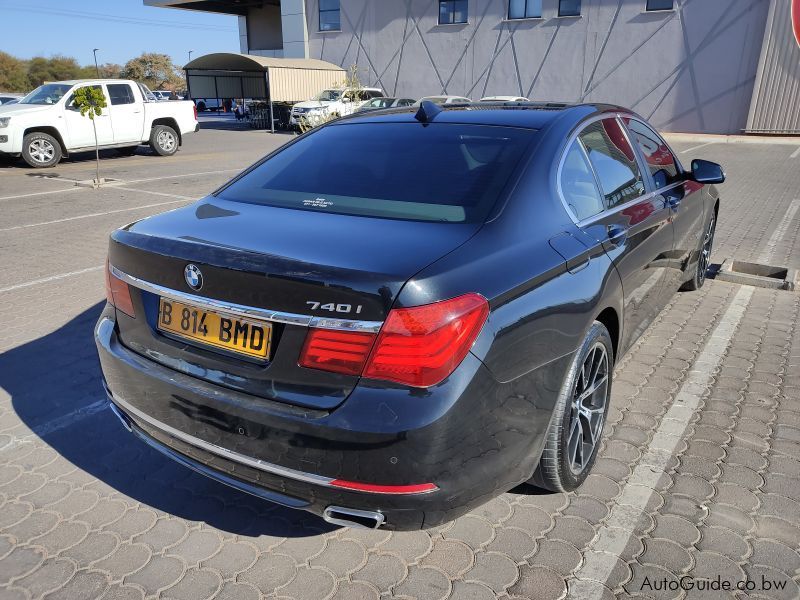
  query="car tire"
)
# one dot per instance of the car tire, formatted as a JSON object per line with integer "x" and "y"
{"x": 164, "y": 140}
{"x": 703, "y": 257}
{"x": 576, "y": 426}
{"x": 41, "y": 150}
{"x": 127, "y": 150}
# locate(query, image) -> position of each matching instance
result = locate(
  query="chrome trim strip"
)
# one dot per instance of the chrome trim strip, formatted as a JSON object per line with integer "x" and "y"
{"x": 223, "y": 452}
{"x": 628, "y": 204}
{"x": 251, "y": 312}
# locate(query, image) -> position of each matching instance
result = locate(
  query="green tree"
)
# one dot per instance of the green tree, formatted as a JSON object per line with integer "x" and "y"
{"x": 55, "y": 68}
{"x": 91, "y": 101}
{"x": 13, "y": 74}
{"x": 155, "y": 70}
{"x": 110, "y": 71}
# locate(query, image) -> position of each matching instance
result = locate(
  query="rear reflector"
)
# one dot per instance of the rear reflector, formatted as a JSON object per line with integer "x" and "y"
{"x": 419, "y": 346}
{"x": 423, "y": 345}
{"x": 118, "y": 293}
{"x": 336, "y": 351}
{"x": 420, "y": 488}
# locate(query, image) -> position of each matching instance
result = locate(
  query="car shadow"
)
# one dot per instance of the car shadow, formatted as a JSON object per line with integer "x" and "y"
{"x": 55, "y": 387}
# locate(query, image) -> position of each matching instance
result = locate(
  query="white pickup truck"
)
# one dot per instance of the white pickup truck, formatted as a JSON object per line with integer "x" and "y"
{"x": 333, "y": 103}
{"x": 45, "y": 125}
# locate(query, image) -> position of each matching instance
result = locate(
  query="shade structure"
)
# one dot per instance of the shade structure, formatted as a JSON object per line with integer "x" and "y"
{"x": 232, "y": 75}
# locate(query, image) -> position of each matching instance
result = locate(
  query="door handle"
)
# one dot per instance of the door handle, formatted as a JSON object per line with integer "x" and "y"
{"x": 617, "y": 235}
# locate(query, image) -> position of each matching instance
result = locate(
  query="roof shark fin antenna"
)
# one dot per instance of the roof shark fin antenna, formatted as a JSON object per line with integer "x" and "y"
{"x": 427, "y": 111}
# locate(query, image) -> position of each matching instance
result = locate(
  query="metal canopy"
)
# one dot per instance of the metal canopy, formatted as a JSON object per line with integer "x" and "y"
{"x": 231, "y": 75}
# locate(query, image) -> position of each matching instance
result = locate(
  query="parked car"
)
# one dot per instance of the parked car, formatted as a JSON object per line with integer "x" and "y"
{"x": 333, "y": 103}
{"x": 504, "y": 99}
{"x": 394, "y": 348}
{"x": 377, "y": 103}
{"x": 204, "y": 104}
{"x": 162, "y": 94}
{"x": 444, "y": 100}
{"x": 45, "y": 125}
{"x": 6, "y": 98}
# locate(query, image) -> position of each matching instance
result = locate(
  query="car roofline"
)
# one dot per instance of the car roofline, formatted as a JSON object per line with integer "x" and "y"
{"x": 558, "y": 108}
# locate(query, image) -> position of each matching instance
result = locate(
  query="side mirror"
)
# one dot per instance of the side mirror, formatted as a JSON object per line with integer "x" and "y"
{"x": 705, "y": 171}
{"x": 346, "y": 99}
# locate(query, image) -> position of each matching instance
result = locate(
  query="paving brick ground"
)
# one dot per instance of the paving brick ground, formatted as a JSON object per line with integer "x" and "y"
{"x": 86, "y": 511}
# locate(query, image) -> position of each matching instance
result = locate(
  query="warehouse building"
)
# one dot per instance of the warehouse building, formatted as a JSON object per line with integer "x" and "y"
{"x": 706, "y": 66}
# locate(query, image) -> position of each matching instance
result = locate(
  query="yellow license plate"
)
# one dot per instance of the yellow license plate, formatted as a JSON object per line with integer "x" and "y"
{"x": 252, "y": 338}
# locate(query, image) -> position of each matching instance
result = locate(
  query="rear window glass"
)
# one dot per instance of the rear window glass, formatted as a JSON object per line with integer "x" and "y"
{"x": 439, "y": 172}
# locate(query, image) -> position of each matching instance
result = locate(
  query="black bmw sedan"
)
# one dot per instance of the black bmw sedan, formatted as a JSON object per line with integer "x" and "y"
{"x": 401, "y": 314}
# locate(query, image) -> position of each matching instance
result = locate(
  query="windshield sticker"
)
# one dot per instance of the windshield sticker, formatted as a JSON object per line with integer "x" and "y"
{"x": 318, "y": 203}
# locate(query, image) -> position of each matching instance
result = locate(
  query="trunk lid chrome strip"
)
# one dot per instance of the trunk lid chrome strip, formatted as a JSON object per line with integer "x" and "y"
{"x": 252, "y": 312}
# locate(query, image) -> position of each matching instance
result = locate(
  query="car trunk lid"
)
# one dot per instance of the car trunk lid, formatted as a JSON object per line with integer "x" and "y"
{"x": 290, "y": 261}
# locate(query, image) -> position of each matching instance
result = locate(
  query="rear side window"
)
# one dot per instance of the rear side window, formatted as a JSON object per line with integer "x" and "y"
{"x": 120, "y": 93}
{"x": 440, "y": 172}
{"x": 613, "y": 160}
{"x": 578, "y": 184}
{"x": 661, "y": 162}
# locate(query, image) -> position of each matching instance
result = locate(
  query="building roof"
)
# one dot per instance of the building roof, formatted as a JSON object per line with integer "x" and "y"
{"x": 231, "y": 61}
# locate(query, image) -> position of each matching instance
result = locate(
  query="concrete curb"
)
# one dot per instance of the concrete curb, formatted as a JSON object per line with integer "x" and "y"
{"x": 732, "y": 139}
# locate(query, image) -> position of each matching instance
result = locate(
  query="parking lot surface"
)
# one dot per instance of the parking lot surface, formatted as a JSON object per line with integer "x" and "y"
{"x": 696, "y": 491}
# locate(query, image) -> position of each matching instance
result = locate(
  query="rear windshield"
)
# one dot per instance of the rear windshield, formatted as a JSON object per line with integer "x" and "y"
{"x": 439, "y": 172}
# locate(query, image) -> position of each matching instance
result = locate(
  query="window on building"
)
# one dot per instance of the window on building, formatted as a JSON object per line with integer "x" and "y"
{"x": 569, "y": 8}
{"x": 329, "y": 15}
{"x": 524, "y": 9}
{"x": 452, "y": 11}
{"x": 120, "y": 93}
{"x": 660, "y": 4}
{"x": 614, "y": 161}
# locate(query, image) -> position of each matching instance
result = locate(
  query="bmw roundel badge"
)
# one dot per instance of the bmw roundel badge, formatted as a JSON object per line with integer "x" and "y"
{"x": 193, "y": 276}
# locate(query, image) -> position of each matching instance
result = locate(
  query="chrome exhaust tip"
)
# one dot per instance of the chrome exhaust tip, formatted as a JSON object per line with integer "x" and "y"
{"x": 351, "y": 517}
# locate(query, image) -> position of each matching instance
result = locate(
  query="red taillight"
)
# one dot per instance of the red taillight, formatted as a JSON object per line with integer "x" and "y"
{"x": 421, "y": 346}
{"x": 118, "y": 293}
{"x": 417, "y": 346}
{"x": 420, "y": 488}
{"x": 194, "y": 106}
{"x": 337, "y": 351}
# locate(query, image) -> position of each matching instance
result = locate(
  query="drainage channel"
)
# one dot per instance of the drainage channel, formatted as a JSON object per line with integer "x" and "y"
{"x": 758, "y": 275}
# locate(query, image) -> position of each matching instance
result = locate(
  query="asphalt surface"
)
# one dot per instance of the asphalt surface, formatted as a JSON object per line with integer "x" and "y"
{"x": 697, "y": 483}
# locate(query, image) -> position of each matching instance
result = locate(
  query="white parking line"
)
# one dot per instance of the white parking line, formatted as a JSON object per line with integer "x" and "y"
{"x": 613, "y": 535}
{"x": 64, "y": 191}
{"x": 769, "y": 250}
{"x": 119, "y": 184}
{"x": 182, "y": 175}
{"x": 90, "y": 215}
{"x": 57, "y": 424}
{"x": 154, "y": 193}
{"x": 49, "y": 279}
{"x": 796, "y": 153}
{"x": 693, "y": 148}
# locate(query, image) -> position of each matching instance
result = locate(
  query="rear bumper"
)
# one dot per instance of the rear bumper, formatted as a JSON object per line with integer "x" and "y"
{"x": 470, "y": 436}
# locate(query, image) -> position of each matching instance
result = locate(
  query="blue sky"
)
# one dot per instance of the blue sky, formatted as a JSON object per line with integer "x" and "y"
{"x": 121, "y": 29}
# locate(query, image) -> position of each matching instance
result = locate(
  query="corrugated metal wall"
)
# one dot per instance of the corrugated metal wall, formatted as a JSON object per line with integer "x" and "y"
{"x": 295, "y": 85}
{"x": 775, "y": 107}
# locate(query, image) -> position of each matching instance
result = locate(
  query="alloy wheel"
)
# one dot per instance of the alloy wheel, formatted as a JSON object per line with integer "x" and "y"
{"x": 166, "y": 141}
{"x": 588, "y": 408}
{"x": 42, "y": 151}
{"x": 705, "y": 253}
